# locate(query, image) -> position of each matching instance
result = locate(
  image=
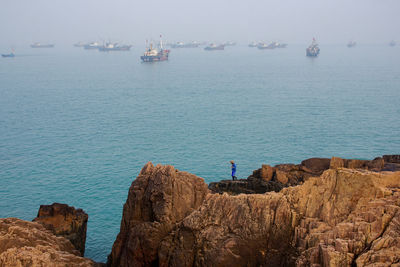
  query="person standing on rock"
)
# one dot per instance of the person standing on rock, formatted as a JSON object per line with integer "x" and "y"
{"x": 233, "y": 170}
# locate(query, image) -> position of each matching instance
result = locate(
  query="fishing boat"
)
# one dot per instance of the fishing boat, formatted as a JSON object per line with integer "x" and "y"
{"x": 230, "y": 43}
{"x": 114, "y": 47}
{"x": 212, "y": 47}
{"x": 153, "y": 54}
{"x": 9, "y": 55}
{"x": 40, "y": 45}
{"x": 272, "y": 45}
{"x": 351, "y": 44}
{"x": 313, "y": 49}
{"x": 392, "y": 43}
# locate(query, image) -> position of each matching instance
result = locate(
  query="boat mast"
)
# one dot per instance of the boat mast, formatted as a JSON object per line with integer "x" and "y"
{"x": 161, "y": 45}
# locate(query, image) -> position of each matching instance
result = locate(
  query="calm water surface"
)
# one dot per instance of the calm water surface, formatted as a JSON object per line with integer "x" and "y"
{"x": 77, "y": 126}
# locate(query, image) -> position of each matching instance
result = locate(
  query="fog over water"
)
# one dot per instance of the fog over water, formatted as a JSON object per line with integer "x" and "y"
{"x": 293, "y": 21}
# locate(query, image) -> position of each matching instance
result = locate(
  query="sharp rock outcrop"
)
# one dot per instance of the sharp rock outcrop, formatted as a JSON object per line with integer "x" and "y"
{"x": 158, "y": 199}
{"x": 65, "y": 221}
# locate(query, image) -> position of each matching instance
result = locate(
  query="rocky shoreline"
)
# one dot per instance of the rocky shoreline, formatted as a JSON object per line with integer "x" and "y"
{"x": 322, "y": 212}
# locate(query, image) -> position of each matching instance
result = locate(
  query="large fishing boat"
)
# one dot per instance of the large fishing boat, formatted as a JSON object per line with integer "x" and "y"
{"x": 39, "y": 45}
{"x": 392, "y": 43}
{"x": 212, "y": 47}
{"x": 114, "y": 47}
{"x": 313, "y": 49}
{"x": 153, "y": 54}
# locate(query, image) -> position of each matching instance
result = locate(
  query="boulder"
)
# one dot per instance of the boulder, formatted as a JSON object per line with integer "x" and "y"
{"x": 65, "y": 221}
{"x": 336, "y": 163}
{"x": 266, "y": 172}
{"x": 158, "y": 199}
{"x": 316, "y": 165}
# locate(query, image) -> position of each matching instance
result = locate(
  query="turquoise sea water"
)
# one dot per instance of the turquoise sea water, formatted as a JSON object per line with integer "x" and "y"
{"x": 77, "y": 126}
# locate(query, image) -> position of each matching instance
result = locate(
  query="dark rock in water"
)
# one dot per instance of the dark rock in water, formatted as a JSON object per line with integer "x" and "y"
{"x": 65, "y": 221}
{"x": 316, "y": 165}
{"x": 251, "y": 185}
{"x": 392, "y": 158}
{"x": 160, "y": 197}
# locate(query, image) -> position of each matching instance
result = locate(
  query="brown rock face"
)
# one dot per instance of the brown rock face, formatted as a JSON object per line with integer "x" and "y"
{"x": 65, "y": 221}
{"x": 24, "y": 243}
{"x": 159, "y": 198}
{"x": 244, "y": 230}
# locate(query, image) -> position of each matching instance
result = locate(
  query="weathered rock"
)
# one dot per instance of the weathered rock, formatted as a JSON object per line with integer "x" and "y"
{"x": 158, "y": 199}
{"x": 245, "y": 186}
{"x": 24, "y": 243}
{"x": 233, "y": 231}
{"x": 336, "y": 163}
{"x": 65, "y": 221}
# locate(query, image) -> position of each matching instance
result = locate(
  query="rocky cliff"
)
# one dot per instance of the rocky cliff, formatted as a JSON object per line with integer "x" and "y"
{"x": 158, "y": 198}
{"x": 336, "y": 217}
{"x": 24, "y": 243}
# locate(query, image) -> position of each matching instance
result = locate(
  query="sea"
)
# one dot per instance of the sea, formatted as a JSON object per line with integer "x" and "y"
{"x": 77, "y": 126}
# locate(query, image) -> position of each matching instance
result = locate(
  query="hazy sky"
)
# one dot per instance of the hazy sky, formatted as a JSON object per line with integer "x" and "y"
{"x": 132, "y": 21}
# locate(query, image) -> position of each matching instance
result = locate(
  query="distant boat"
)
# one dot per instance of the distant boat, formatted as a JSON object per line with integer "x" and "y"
{"x": 272, "y": 45}
{"x": 39, "y": 45}
{"x": 229, "y": 43}
{"x": 79, "y": 44}
{"x": 212, "y": 47}
{"x": 313, "y": 49}
{"x": 253, "y": 44}
{"x": 153, "y": 54}
{"x": 193, "y": 44}
{"x": 114, "y": 47}
{"x": 351, "y": 44}
{"x": 92, "y": 45}
{"x": 281, "y": 45}
{"x": 392, "y": 43}
{"x": 9, "y": 55}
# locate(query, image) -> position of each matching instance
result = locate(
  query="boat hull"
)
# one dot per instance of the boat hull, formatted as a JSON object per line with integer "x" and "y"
{"x": 154, "y": 58}
{"x": 220, "y": 47}
{"x": 42, "y": 46}
{"x": 8, "y": 55}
